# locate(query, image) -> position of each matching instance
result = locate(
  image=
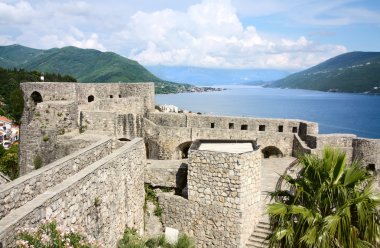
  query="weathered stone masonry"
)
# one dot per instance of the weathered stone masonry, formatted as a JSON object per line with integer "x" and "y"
{"x": 101, "y": 199}
{"x": 224, "y": 198}
{"x": 20, "y": 191}
{"x": 100, "y": 187}
{"x": 53, "y": 109}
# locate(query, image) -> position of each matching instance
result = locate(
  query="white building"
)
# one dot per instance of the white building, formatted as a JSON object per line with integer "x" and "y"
{"x": 169, "y": 108}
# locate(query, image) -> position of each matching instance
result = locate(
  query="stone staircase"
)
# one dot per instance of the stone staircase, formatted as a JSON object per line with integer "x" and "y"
{"x": 258, "y": 237}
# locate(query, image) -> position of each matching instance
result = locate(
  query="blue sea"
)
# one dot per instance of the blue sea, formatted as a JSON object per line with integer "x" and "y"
{"x": 335, "y": 112}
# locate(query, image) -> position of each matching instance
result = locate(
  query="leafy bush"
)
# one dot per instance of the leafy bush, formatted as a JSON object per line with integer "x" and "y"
{"x": 37, "y": 162}
{"x": 9, "y": 161}
{"x": 151, "y": 196}
{"x": 49, "y": 235}
{"x": 132, "y": 240}
{"x": 45, "y": 138}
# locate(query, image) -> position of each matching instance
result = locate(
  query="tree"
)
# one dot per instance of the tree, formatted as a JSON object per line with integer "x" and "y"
{"x": 9, "y": 162}
{"x": 330, "y": 204}
{"x": 16, "y": 101}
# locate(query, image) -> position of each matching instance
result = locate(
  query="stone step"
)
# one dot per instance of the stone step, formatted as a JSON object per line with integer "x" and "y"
{"x": 257, "y": 243}
{"x": 262, "y": 225}
{"x": 261, "y": 232}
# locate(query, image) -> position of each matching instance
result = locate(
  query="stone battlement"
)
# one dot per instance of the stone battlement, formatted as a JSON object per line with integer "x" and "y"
{"x": 93, "y": 141}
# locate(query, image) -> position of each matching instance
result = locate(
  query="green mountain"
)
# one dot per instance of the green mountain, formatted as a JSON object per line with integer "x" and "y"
{"x": 349, "y": 72}
{"x": 86, "y": 65}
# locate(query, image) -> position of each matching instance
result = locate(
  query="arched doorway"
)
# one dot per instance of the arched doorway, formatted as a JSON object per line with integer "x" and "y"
{"x": 271, "y": 152}
{"x": 36, "y": 97}
{"x": 90, "y": 98}
{"x": 183, "y": 150}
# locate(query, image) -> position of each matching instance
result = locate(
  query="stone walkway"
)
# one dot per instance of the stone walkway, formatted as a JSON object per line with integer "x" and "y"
{"x": 272, "y": 168}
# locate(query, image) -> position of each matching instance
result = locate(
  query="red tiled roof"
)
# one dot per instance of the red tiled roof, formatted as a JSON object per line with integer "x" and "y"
{"x": 5, "y": 119}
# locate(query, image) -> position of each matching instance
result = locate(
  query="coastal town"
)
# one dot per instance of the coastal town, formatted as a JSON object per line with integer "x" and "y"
{"x": 9, "y": 132}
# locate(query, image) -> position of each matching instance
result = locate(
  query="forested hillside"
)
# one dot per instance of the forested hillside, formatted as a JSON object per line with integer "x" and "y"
{"x": 350, "y": 72}
{"x": 10, "y": 93}
{"x": 86, "y": 65}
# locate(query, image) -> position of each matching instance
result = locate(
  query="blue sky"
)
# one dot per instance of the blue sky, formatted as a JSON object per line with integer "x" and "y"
{"x": 271, "y": 34}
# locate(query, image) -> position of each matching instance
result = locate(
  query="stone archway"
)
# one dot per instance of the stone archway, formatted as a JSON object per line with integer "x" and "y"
{"x": 36, "y": 97}
{"x": 182, "y": 150}
{"x": 272, "y": 152}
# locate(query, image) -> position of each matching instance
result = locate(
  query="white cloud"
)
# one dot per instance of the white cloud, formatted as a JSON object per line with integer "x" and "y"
{"x": 210, "y": 34}
{"x": 72, "y": 40}
{"x": 21, "y": 12}
{"x": 48, "y": 24}
{"x": 207, "y": 33}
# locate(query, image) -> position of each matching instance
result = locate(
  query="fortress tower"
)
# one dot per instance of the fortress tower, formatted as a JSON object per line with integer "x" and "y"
{"x": 224, "y": 179}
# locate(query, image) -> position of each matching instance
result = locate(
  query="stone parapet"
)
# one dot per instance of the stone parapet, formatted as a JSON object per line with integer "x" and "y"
{"x": 101, "y": 199}
{"x": 18, "y": 192}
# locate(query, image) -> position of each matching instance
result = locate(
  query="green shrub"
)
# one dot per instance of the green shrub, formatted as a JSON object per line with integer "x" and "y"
{"x": 37, "y": 114}
{"x": 48, "y": 235}
{"x": 45, "y": 138}
{"x": 151, "y": 196}
{"x": 185, "y": 241}
{"x": 59, "y": 114}
{"x": 9, "y": 161}
{"x": 37, "y": 162}
{"x": 61, "y": 131}
{"x": 132, "y": 240}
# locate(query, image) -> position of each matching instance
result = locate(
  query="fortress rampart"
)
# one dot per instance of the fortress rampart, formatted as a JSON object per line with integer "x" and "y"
{"x": 94, "y": 140}
{"x": 101, "y": 199}
{"x": 18, "y": 192}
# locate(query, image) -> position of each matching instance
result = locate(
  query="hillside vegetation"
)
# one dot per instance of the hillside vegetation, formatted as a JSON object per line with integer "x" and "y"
{"x": 349, "y": 72}
{"x": 11, "y": 100}
{"x": 86, "y": 65}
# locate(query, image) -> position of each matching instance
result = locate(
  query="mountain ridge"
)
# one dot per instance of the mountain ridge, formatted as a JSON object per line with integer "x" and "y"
{"x": 86, "y": 65}
{"x": 354, "y": 72}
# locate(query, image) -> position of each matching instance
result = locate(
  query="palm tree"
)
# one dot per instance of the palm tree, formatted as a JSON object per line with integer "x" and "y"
{"x": 329, "y": 204}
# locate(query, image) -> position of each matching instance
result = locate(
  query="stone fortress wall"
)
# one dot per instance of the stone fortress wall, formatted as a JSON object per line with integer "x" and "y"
{"x": 53, "y": 109}
{"x": 102, "y": 199}
{"x": 18, "y": 192}
{"x": 99, "y": 136}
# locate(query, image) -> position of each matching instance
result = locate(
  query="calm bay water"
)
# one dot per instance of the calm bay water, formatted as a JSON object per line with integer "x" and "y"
{"x": 335, "y": 112}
